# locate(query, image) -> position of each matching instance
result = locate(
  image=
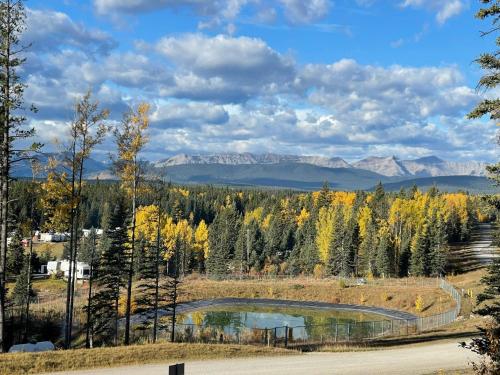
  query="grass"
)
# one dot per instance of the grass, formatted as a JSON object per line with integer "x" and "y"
{"x": 31, "y": 363}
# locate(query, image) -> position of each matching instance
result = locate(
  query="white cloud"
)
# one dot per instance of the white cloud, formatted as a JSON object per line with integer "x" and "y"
{"x": 225, "y": 93}
{"x": 49, "y": 29}
{"x": 240, "y": 67}
{"x": 445, "y": 9}
{"x": 219, "y": 12}
{"x": 299, "y": 11}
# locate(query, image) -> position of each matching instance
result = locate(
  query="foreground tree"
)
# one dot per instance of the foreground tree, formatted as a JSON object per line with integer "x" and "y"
{"x": 12, "y": 124}
{"x": 131, "y": 139}
{"x": 110, "y": 278}
{"x": 87, "y": 130}
{"x": 488, "y": 344}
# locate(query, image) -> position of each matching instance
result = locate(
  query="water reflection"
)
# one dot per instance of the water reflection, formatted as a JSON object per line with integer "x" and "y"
{"x": 307, "y": 323}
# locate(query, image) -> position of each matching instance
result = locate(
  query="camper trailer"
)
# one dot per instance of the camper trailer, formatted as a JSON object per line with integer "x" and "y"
{"x": 82, "y": 269}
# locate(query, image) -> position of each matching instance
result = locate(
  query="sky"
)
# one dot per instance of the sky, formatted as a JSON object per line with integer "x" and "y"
{"x": 347, "y": 78}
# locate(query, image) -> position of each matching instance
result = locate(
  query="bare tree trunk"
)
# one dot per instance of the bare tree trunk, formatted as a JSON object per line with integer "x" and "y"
{"x": 157, "y": 270}
{"x": 88, "y": 343}
{"x": 131, "y": 266}
{"x": 72, "y": 239}
{"x": 4, "y": 196}
{"x": 28, "y": 291}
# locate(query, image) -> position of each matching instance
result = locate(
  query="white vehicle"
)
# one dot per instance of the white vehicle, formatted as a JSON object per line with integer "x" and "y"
{"x": 82, "y": 269}
{"x": 42, "y": 346}
{"x": 53, "y": 267}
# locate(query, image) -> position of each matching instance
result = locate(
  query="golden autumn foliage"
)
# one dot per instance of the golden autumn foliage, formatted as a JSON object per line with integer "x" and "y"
{"x": 364, "y": 221}
{"x": 255, "y": 214}
{"x": 201, "y": 239}
{"x": 324, "y": 232}
{"x": 302, "y": 217}
{"x": 131, "y": 139}
{"x": 147, "y": 222}
{"x": 176, "y": 234}
{"x": 56, "y": 202}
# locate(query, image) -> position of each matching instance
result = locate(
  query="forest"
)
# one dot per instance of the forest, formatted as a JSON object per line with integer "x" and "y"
{"x": 222, "y": 231}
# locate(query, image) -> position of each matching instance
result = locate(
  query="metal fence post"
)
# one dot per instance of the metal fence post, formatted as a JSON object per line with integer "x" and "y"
{"x": 286, "y": 336}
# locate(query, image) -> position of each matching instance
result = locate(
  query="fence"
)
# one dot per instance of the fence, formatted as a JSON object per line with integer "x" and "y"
{"x": 321, "y": 334}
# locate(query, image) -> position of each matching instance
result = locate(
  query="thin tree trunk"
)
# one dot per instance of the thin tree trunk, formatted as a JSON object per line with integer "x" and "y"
{"x": 157, "y": 279}
{"x": 28, "y": 291}
{"x": 116, "y": 319}
{"x": 74, "y": 255}
{"x": 72, "y": 239}
{"x": 90, "y": 324}
{"x": 131, "y": 267}
{"x": 4, "y": 200}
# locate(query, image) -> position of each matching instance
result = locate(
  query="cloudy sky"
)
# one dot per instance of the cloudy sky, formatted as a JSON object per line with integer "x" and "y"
{"x": 347, "y": 78}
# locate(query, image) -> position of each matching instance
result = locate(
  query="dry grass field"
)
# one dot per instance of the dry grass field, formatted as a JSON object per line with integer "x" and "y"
{"x": 33, "y": 363}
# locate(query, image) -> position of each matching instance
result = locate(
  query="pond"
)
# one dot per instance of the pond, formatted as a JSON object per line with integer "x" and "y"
{"x": 269, "y": 321}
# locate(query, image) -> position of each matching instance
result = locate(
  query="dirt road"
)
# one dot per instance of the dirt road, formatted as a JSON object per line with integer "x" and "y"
{"x": 422, "y": 359}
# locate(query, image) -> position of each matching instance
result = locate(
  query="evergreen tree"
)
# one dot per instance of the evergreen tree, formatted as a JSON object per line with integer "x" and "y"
{"x": 249, "y": 250}
{"x": 379, "y": 203}
{"x": 22, "y": 290}
{"x": 384, "y": 259}
{"x": 222, "y": 239}
{"x": 324, "y": 196}
{"x": 337, "y": 248}
{"x": 15, "y": 255}
{"x": 110, "y": 277}
{"x": 305, "y": 253}
{"x": 405, "y": 253}
{"x": 419, "y": 263}
{"x": 437, "y": 245}
{"x": 488, "y": 345}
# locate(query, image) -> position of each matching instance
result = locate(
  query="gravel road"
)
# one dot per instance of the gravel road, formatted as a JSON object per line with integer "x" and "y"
{"x": 421, "y": 359}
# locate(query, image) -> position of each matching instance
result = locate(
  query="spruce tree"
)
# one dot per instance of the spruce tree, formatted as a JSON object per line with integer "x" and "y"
{"x": 419, "y": 263}
{"x": 222, "y": 239}
{"x": 488, "y": 344}
{"x": 22, "y": 290}
{"x": 336, "y": 248}
{"x": 15, "y": 255}
{"x": 305, "y": 253}
{"x": 384, "y": 261}
{"x": 438, "y": 245}
{"x": 249, "y": 247}
{"x": 110, "y": 277}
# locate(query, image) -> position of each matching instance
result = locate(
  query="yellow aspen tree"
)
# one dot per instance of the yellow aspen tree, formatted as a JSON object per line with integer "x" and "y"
{"x": 302, "y": 217}
{"x": 131, "y": 138}
{"x": 56, "y": 202}
{"x": 201, "y": 240}
{"x": 324, "y": 232}
{"x": 169, "y": 237}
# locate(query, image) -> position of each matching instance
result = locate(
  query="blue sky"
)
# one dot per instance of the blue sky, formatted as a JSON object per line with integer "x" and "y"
{"x": 334, "y": 78}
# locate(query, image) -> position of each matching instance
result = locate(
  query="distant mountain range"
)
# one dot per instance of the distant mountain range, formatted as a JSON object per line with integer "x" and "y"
{"x": 431, "y": 166}
{"x": 307, "y": 172}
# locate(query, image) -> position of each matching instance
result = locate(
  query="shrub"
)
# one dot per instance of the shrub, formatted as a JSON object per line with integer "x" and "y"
{"x": 419, "y": 304}
{"x": 342, "y": 284}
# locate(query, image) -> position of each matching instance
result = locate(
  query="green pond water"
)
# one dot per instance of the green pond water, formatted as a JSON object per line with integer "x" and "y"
{"x": 306, "y": 323}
